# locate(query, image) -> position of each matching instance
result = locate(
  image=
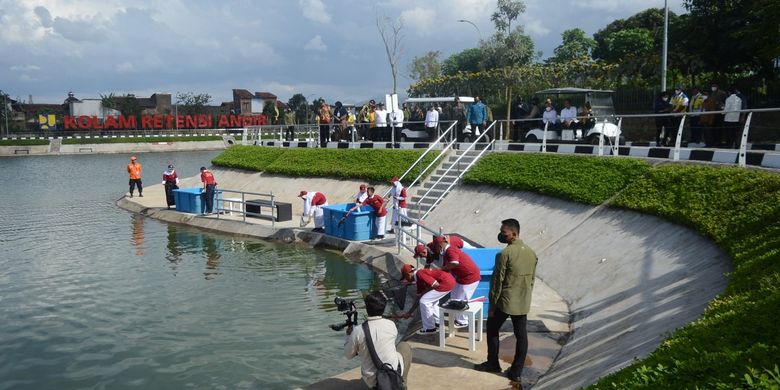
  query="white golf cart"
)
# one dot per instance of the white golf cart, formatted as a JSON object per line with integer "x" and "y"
{"x": 415, "y": 130}
{"x": 590, "y": 130}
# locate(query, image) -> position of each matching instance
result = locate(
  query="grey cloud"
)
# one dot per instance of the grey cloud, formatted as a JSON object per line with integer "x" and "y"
{"x": 43, "y": 16}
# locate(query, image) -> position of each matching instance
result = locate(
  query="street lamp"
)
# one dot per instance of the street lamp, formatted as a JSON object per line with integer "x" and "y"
{"x": 475, "y": 26}
{"x": 5, "y": 112}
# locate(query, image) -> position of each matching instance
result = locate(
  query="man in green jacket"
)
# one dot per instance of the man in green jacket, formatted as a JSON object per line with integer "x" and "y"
{"x": 510, "y": 296}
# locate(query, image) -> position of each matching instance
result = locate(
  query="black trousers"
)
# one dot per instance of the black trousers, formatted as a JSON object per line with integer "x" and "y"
{"x": 209, "y": 201}
{"x": 289, "y": 133}
{"x": 136, "y": 182}
{"x": 169, "y": 198}
{"x": 521, "y": 347}
{"x": 324, "y": 135}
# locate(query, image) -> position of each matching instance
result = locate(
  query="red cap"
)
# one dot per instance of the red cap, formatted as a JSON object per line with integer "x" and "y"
{"x": 362, "y": 187}
{"x": 394, "y": 179}
{"x": 406, "y": 270}
{"x": 418, "y": 250}
{"x": 439, "y": 240}
{"x": 302, "y": 193}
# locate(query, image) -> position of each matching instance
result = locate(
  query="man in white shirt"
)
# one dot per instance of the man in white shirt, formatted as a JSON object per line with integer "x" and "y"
{"x": 380, "y": 119}
{"x": 731, "y": 118}
{"x": 550, "y": 116}
{"x": 431, "y": 122}
{"x": 568, "y": 115}
{"x": 383, "y": 333}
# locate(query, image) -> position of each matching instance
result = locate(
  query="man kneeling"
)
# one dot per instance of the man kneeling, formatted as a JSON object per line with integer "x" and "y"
{"x": 383, "y": 334}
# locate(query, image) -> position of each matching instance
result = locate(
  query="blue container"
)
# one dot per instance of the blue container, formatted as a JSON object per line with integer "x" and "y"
{"x": 191, "y": 200}
{"x": 485, "y": 259}
{"x": 357, "y": 227}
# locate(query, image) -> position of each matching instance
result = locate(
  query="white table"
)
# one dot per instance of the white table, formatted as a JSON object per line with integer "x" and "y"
{"x": 475, "y": 317}
{"x": 233, "y": 204}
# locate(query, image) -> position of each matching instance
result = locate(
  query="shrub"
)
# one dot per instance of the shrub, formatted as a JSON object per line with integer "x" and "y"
{"x": 23, "y": 142}
{"x": 125, "y": 140}
{"x": 586, "y": 179}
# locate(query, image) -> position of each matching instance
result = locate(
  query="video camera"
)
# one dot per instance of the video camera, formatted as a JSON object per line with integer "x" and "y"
{"x": 348, "y": 308}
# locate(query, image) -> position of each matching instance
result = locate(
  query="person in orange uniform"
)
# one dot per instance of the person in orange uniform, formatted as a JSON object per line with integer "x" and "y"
{"x": 209, "y": 185}
{"x": 464, "y": 270}
{"x": 378, "y": 204}
{"x": 134, "y": 171}
{"x": 432, "y": 285}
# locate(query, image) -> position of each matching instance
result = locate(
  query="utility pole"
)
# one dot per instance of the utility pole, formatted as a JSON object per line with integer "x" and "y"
{"x": 666, "y": 45}
{"x": 5, "y": 112}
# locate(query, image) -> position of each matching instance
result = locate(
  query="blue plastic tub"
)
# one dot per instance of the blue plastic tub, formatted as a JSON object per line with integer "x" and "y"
{"x": 358, "y": 226}
{"x": 485, "y": 259}
{"x": 191, "y": 200}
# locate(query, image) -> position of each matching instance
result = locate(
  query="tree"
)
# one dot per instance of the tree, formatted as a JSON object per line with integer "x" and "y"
{"x": 574, "y": 45}
{"x": 390, "y": 31}
{"x": 651, "y": 19}
{"x": 191, "y": 102}
{"x": 107, "y": 102}
{"x": 466, "y": 61}
{"x": 298, "y": 105}
{"x": 128, "y": 105}
{"x": 736, "y": 35}
{"x": 271, "y": 112}
{"x": 427, "y": 66}
{"x": 507, "y": 47}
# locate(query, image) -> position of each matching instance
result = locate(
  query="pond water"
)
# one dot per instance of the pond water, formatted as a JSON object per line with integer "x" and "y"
{"x": 94, "y": 297}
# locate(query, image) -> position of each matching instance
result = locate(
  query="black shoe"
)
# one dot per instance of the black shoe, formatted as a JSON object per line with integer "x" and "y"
{"x": 487, "y": 367}
{"x": 427, "y": 331}
{"x": 512, "y": 377}
{"x": 131, "y": 195}
{"x": 141, "y": 195}
{"x": 318, "y": 230}
{"x": 380, "y": 237}
{"x": 391, "y": 231}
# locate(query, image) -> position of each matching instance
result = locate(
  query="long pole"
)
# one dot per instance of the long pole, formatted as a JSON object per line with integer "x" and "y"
{"x": 666, "y": 45}
{"x": 5, "y": 113}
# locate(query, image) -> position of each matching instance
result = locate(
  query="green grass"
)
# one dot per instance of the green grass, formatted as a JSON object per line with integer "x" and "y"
{"x": 586, "y": 179}
{"x": 23, "y": 142}
{"x": 376, "y": 165}
{"x": 125, "y": 140}
{"x": 736, "y": 343}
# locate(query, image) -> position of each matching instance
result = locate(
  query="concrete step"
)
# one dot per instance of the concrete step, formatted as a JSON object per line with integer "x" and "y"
{"x": 447, "y": 179}
{"x": 442, "y": 185}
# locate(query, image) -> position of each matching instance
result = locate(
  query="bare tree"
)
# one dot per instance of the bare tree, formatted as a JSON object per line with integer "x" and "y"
{"x": 390, "y": 30}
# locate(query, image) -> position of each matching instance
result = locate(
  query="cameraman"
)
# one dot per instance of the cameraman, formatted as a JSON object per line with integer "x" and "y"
{"x": 383, "y": 333}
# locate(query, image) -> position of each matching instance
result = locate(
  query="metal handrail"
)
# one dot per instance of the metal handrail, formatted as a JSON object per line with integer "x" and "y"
{"x": 436, "y": 202}
{"x": 430, "y": 148}
{"x": 244, "y": 213}
{"x": 457, "y": 161}
{"x": 417, "y": 235}
{"x": 443, "y": 152}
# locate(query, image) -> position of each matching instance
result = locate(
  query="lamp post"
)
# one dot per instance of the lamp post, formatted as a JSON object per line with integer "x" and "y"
{"x": 475, "y": 26}
{"x": 666, "y": 45}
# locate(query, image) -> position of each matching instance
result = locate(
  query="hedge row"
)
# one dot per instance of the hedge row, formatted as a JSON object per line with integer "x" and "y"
{"x": 589, "y": 180}
{"x": 23, "y": 142}
{"x": 126, "y": 140}
{"x": 736, "y": 343}
{"x": 376, "y": 165}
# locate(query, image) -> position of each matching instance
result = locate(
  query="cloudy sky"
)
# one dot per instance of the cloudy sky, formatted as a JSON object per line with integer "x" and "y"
{"x": 328, "y": 48}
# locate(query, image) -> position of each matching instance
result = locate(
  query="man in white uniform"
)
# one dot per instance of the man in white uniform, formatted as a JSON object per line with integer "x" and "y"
{"x": 312, "y": 207}
{"x": 398, "y": 194}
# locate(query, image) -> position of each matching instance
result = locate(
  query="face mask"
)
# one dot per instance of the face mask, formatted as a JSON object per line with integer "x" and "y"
{"x": 714, "y": 89}
{"x": 664, "y": 99}
{"x": 502, "y": 238}
{"x": 548, "y": 108}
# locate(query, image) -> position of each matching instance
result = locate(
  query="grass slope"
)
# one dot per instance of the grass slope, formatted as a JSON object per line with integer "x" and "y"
{"x": 736, "y": 343}
{"x": 376, "y": 165}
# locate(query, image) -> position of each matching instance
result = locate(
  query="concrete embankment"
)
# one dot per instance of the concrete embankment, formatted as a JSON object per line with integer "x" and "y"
{"x": 56, "y": 148}
{"x": 629, "y": 279}
{"x": 432, "y": 367}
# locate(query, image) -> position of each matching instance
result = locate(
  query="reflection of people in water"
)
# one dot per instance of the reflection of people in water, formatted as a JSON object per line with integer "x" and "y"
{"x": 212, "y": 257}
{"x": 174, "y": 246}
{"x": 137, "y": 223}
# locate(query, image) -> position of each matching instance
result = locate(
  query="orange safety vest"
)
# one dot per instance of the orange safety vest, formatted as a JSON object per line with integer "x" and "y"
{"x": 134, "y": 170}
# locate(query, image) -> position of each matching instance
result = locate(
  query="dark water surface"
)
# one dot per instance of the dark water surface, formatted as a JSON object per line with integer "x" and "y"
{"x": 94, "y": 297}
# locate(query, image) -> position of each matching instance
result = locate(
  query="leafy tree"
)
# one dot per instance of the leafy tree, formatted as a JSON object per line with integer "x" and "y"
{"x": 192, "y": 103}
{"x": 128, "y": 105}
{"x": 466, "y": 61}
{"x": 736, "y": 35}
{"x": 574, "y": 45}
{"x": 651, "y": 19}
{"x": 108, "y": 102}
{"x": 507, "y": 47}
{"x": 427, "y": 66}
{"x": 635, "y": 41}
{"x": 297, "y": 104}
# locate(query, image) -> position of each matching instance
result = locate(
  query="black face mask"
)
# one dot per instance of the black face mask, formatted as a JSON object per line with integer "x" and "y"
{"x": 502, "y": 238}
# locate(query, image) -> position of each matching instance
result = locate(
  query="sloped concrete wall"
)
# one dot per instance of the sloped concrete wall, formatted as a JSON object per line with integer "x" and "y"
{"x": 629, "y": 279}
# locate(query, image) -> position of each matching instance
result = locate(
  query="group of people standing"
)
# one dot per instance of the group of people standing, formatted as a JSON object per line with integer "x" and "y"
{"x": 715, "y": 130}
{"x": 170, "y": 181}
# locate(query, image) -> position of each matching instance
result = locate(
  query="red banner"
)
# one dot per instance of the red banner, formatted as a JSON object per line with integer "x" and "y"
{"x": 149, "y": 122}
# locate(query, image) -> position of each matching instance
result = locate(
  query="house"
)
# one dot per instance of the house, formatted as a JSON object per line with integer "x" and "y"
{"x": 246, "y": 103}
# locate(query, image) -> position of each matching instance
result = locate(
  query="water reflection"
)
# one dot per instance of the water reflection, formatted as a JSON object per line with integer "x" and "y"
{"x": 174, "y": 250}
{"x": 137, "y": 223}
{"x": 212, "y": 257}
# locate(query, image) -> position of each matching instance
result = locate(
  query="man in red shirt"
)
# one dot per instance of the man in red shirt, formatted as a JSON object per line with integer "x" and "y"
{"x": 432, "y": 285}
{"x": 312, "y": 207}
{"x": 209, "y": 185}
{"x": 432, "y": 253}
{"x": 378, "y": 204}
{"x": 464, "y": 270}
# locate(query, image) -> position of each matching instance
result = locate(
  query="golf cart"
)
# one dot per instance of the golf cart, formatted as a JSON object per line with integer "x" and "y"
{"x": 414, "y": 130}
{"x": 589, "y": 130}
